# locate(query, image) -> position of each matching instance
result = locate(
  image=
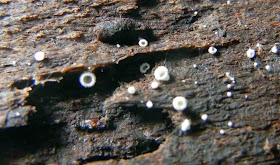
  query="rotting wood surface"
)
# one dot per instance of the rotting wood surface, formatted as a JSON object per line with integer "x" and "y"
{"x": 44, "y": 112}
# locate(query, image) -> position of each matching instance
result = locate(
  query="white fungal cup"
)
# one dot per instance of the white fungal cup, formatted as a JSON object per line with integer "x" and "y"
{"x": 180, "y": 103}
{"x": 143, "y": 43}
{"x": 149, "y": 104}
{"x": 212, "y": 50}
{"x": 268, "y": 68}
{"x": 154, "y": 85}
{"x": 251, "y": 53}
{"x": 161, "y": 74}
{"x": 274, "y": 49}
{"x": 204, "y": 117}
{"x": 131, "y": 90}
{"x": 222, "y": 132}
{"x": 87, "y": 79}
{"x": 144, "y": 67}
{"x": 39, "y": 56}
{"x": 186, "y": 125}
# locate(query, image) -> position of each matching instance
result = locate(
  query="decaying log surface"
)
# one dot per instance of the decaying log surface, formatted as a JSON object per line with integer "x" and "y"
{"x": 46, "y": 117}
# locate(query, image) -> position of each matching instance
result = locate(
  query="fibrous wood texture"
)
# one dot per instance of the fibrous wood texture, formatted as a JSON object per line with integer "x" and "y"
{"x": 47, "y": 117}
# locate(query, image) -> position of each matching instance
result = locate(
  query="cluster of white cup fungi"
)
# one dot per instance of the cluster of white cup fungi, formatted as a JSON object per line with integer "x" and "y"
{"x": 179, "y": 103}
{"x": 161, "y": 74}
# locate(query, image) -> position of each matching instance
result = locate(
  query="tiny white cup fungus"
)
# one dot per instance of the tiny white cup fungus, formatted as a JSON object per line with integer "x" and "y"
{"x": 143, "y": 43}
{"x": 204, "y": 117}
{"x": 259, "y": 45}
{"x": 39, "y": 56}
{"x": 256, "y": 64}
{"x": 212, "y": 50}
{"x": 180, "y": 103}
{"x": 251, "y": 53}
{"x": 229, "y": 86}
{"x": 229, "y": 94}
{"x": 161, "y": 74}
{"x": 131, "y": 90}
{"x": 17, "y": 114}
{"x": 14, "y": 63}
{"x": 232, "y": 78}
{"x": 274, "y": 49}
{"x": 186, "y": 125}
{"x": 87, "y": 79}
{"x": 222, "y": 132}
{"x": 268, "y": 68}
{"x": 228, "y": 74}
{"x": 230, "y": 124}
{"x": 154, "y": 85}
{"x": 144, "y": 67}
{"x": 149, "y": 104}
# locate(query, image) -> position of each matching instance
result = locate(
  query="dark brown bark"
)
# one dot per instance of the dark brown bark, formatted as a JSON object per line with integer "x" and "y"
{"x": 47, "y": 117}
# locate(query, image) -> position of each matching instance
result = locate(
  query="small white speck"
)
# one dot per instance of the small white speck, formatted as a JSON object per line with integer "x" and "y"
{"x": 29, "y": 64}
{"x": 227, "y": 74}
{"x": 39, "y": 56}
{"x": 89, "y": 68}
{"x": 118, "y": 45}
{"x": 186, "y": 125}
{"x": 274, "y": 49}
{"x": 230, "y": 124}
{"x": 195, "y": 83}
{"x": 131, "y": 90}
{"x": 149, "y": 104}
{"x": 154, "y": 85}
{"x": 251, "y": 53}
{"x": 183, "y": 81}
{"x": 268, "y": 68}
{"x": 259, "y": 45}
{"x": 162, "y": 74}
{"x": 228, "y": 2}
{"x": 232, "y": 78}
{"x": 144, "y": 67}
{"x": 194, "y": 66}
{"x": 17, "y": 114}
{"x": 256, "y": 64}
{"x": 222, "y": 132}
{"x": 229, "y": 86}
{"x": 14, "y": 63}
{"x": 212, "y": 50}
{"x": 246, "y": 97}
{"x": 204, "y": 26}
{"x": 204, "y": 117}
{"x": 143, "y": 43}
{"x": 195, "y": 13}
{"x": 229, "y": 94}
{"x": 180, "y": 103}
